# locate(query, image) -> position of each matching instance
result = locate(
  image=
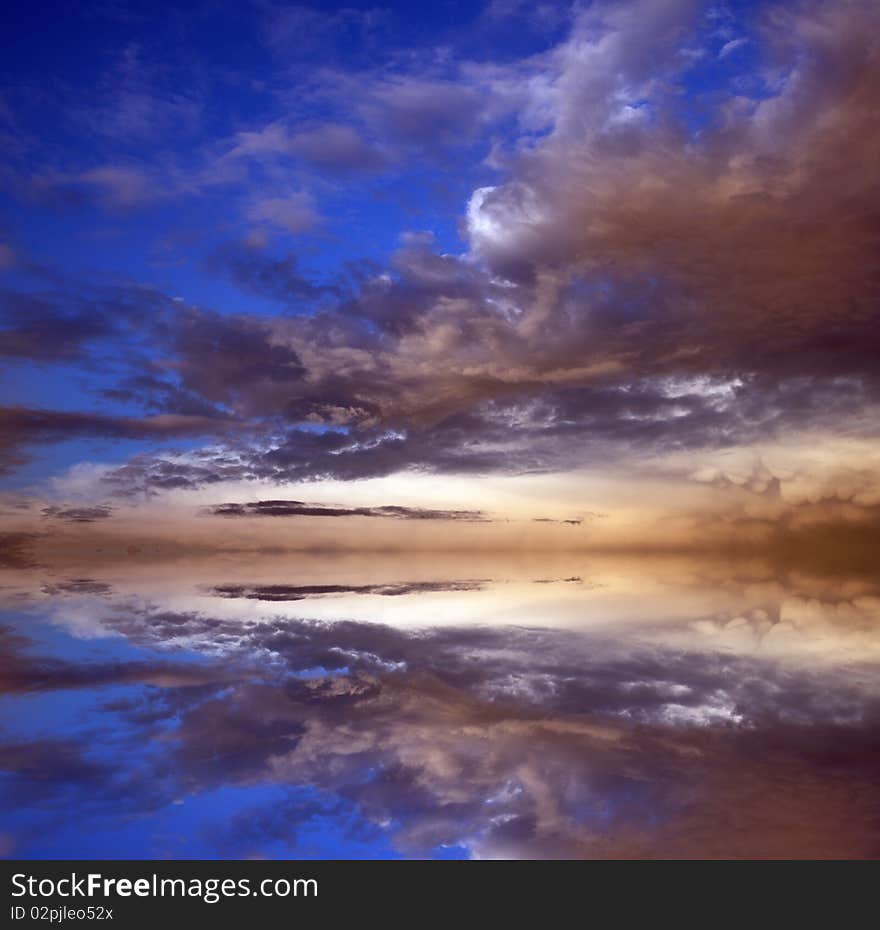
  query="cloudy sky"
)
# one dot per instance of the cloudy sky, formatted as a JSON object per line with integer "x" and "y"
{"x": 503, "y": 274}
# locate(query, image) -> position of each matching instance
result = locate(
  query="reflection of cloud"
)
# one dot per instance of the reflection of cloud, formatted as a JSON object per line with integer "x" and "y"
{"x": 15, "y": 549}
{"x": 21, "y": 672}
{"x": 507, "y": 742}
{"x": 283, "y": 508}
{"x": 287, "y": 592}
{"x": 78, "y": 514}
{"x": 77, "y": 586}
{"x": 683, "y": 602}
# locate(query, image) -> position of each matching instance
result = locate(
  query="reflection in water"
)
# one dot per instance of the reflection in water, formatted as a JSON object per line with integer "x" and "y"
{"x": 387, "y": 706}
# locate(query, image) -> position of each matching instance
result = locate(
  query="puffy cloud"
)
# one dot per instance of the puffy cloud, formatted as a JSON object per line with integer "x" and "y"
{"x": 726, "y": 232}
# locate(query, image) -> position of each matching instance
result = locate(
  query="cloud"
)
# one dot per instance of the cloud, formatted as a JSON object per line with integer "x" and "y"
{"x": 24, "y": 673}
{"x": 120, "y": 187}
{"x": 87, "y": 586}
{"x": 62, "y": 326}
{"x": 331, "y": 148}
{"x": 286, "y": 508}
{"x": 337, "y": 149}
{"x": 422, "y": 113}
{"x": 37, "y": 769}
{"x": 741, "y": 278}
{"x": 78, "y": 514}
{"x": 669, "y": 261}
{"x": 597, "y": 315}
{"x": 506, "y": 742}
{"x": 117, "y": 188}
{"x": 21, "y": 427}
{"x": 233, "y": 360}
{"x": 277, "y": 592}
{"x": 276, "y": 278}
{"x": 15, "y": 549}
{"x": 293, "y": 213}
{"x": 732, "y": 46}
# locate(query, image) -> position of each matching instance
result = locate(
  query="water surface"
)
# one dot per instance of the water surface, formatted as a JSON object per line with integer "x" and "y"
{"x": 345, "y": 705}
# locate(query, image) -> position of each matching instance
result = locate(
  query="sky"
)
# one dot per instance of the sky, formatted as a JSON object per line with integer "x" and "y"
{"x": 439, "y": 430}
{"x": 495, "y": 275}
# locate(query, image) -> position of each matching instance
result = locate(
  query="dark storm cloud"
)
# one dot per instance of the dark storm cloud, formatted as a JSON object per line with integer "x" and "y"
{"x": 304, "y": 455}
{"x": 286, "y": 508}
{"x": 741, "y": 270}
{"x": 152, "y": 474}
